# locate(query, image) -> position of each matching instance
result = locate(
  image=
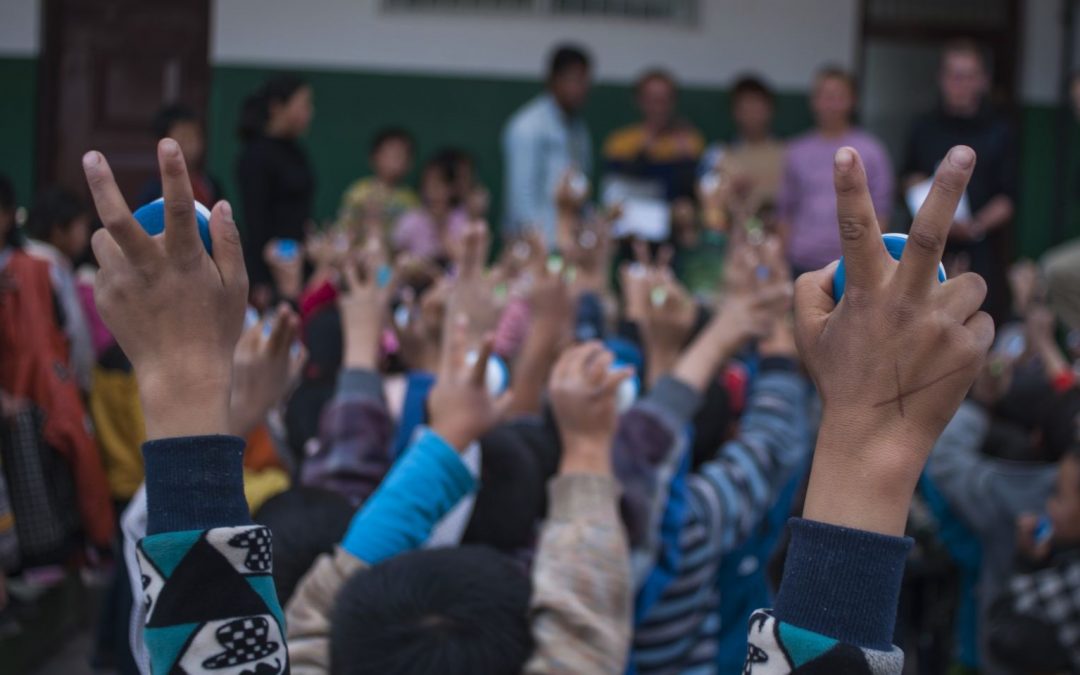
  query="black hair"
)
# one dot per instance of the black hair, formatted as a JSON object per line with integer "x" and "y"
{"x": 565, "y": 57}
{"x": 511, "y": 500}
{"x": 7, "y": 209}
{"x": 306, "y": 522}
{"x": 170, "y": 116}
{"x": 54, "y": 208}
{"x": 455, "y": 157}
{"x": 255, "y": 112}
{"x": 388, "y": 134}
{"x": 1060, "y": 425}
{"x": 752, "y": 85}
{"x": 658, "y": 74}
{"x": 450, "y": 611}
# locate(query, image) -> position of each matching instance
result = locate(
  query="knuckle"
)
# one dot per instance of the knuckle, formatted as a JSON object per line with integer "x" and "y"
{"x": 179, "y": 208}
{"x": 852, "y": 229}
{"x": 926, "y": 240}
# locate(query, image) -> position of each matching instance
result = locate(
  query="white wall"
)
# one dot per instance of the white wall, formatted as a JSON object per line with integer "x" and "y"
{"x": 19, "y": 27}
{"x": 785, "y": 40}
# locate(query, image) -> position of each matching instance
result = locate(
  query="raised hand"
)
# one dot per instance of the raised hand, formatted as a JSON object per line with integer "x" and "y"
{"x": 175, "y": 310}
{"x": 460, "y": 406}
{"x": 266, "y": 367}
{"x": 363, "y": 302}
{"x": 894, "y": 359}
{"x": 669, "y": 317}
{"x": 582, "y": 391}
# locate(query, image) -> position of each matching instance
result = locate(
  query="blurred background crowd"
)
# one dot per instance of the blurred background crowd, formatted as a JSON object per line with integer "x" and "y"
{"x": 622, "y": 148}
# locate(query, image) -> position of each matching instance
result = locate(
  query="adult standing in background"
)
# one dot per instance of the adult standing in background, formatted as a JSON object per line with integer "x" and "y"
{"x": 662, "y": 149}
{"x": 754, "y": 160}
{"x": 274, "y": 174}
{"x": 807, "y": 203}
{"x": 543, "y": 141}
{"x": 965, "y": 117}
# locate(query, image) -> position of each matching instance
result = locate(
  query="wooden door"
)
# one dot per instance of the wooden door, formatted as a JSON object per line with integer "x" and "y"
{"x": 107, "y": 67}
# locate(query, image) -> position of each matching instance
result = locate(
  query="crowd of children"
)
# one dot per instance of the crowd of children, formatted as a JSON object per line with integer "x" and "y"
{"x": 393, "y": 446}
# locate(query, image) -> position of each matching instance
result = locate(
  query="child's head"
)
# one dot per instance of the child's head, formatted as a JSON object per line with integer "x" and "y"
{"x": 306, "y": 522}
{"x": 60, "y": 218}
{"x": 437, "y": 185}
{"x": 392, "y": 155}
{"x": 7, "y": 212}
{"x": 1063, "y": 507}
{"x": 282, "y": 107}
{"x": 453, "y": 611}
{"x": 464, "y": 168}
{"x": 656, "y": 93}
{"x": 752, "y": 105}
{"x": 181, "y": 124}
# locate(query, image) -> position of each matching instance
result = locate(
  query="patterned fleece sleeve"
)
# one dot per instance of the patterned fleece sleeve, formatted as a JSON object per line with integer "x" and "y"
{"x": 205, "y": 568}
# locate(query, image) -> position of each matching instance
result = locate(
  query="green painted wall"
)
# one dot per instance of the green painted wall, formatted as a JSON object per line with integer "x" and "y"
{"x": 1038, "y": 164}
{"x": 469, "y": 112}
{"x": 18, "y": 103}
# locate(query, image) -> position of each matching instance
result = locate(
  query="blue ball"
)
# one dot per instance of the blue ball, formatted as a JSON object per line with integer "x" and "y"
{"x": 152, "y": 218}
{"x": 894, "y": 244}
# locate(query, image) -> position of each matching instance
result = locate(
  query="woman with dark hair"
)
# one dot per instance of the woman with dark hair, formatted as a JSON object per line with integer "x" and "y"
{"x": 273, "y": 172}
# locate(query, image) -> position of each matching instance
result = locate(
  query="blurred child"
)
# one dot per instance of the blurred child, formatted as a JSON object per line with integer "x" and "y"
{"x": 35, "y": 372}
{"x": 180, "y": 123}
{"x": 429, "y": 231}
{"x": 59, "y": 230}
{"x": 383, "y": 198}
{"x": 1035, "y": 625}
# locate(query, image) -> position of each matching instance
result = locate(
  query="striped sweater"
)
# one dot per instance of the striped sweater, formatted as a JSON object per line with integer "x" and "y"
{"x": 725, "y": 499}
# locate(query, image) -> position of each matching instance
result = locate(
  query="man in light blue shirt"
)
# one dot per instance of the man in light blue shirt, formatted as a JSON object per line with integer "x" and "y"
{"x": 542, "y": 141}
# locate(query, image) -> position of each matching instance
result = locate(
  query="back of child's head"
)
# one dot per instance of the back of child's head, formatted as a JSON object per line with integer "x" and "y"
{"x": 306, "y": 522}
{"x": 451, "y": 611}
{"x": 511, "y": 500}
{"x": 170, "y": 116}
{"x": 54, "y": 212}
{"x": 1060, "y": 426}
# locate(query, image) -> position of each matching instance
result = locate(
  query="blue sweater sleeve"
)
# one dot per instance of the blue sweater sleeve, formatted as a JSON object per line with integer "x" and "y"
{"x": 836, "y": 608}
{"x": 399, "y": 517}
{"x": 205, "y": 569}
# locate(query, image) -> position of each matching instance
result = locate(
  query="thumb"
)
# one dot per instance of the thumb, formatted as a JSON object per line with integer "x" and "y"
{"x": 813, "y": 296}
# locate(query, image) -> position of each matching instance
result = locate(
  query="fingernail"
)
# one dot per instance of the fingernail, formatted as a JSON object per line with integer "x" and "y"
{"x": 169, "y": 147}
{"x": 92, "y": 158}
{"x": 226, "y": 209}
{"x": 961, "y": 157}
{"x": 844, "y": 159}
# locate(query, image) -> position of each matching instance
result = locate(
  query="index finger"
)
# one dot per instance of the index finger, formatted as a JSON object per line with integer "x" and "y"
{"x": 860, "y": 235}
{"x": 113, "y": 211}
{"x": 930, "y": 230}
{"x": 181, "y": 231}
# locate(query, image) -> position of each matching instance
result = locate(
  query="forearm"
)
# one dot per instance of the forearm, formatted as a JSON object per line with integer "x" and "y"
{"x": 582, "y": 597}
{"x": 700, "y": 361}
{"x": 398, "y": 517}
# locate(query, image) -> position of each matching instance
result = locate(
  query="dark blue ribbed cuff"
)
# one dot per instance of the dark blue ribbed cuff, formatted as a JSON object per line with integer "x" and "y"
{"x": 195, "y": 483}
{"x": 842, "y": 583}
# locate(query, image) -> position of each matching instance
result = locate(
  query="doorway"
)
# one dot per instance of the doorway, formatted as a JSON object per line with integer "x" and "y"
{"x": 106, "y": 69}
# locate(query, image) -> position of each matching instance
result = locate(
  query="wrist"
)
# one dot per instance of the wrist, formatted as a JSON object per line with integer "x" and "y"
{"x": 361, "y": 354}
{"x": 864, "y": 479}
{"x": 176, "y": 405}
{"x": 584, "y": 455}
{"x": 453, "y": 435}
